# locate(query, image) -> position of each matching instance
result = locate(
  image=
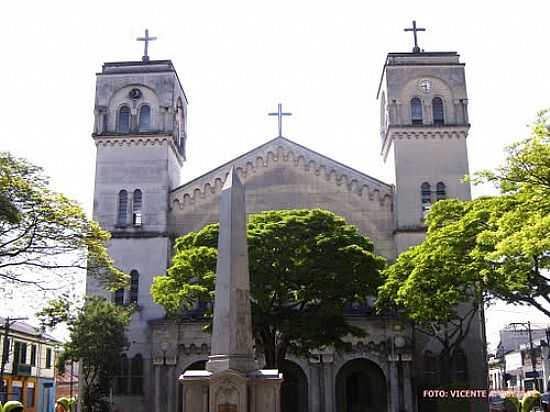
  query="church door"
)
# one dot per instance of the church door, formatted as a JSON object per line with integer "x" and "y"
{"x": 361, "y": 387}
{"x": 294, "y": 388}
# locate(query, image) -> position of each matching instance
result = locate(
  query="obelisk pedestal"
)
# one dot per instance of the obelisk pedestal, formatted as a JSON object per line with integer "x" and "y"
{"x": 232, "y": 381}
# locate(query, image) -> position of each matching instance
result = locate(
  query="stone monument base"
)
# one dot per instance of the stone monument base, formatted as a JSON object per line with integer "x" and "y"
{"x": 231, "y": 391}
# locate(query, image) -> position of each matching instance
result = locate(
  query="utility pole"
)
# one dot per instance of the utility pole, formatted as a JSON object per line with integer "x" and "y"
{"x": 531, "y": 350}
{"x": 5, "y": 354}
{"x": 71, "y": 381}
{"x": 533, "y": 357}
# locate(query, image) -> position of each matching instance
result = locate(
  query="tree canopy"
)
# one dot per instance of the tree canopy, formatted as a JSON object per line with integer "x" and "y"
{"x": 305, "y": 266}
{"x": 97, "y": 340}
{"x": 480, "y": 250}
{"x": 44, "y": 235}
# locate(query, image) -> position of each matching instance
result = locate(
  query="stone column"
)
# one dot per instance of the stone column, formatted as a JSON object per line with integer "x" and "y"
{"x": 394, "y": 386}
{"x": 399, "y": 111}
{"x": 407, "y": 383}
{"x": 100, "y": 114}
{"x": 427, "y": 113}
{"x": 330, "y": 390}
{"x": 164, "y": 113}
{"x": 314, "y": 389}
{"x": 171, "y": 394}
{"x": 133, "y": 117}
{"x": 457, "y": 112}
{"x": 465, "y": 110}
{"x": 157, "y": 388}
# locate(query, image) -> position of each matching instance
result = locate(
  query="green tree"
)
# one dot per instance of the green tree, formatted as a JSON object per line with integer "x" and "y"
{"x": 97, "y": 339}
{"x": 305, "y": 266}
{"x": 518, "y": 245}
{"x": 480, "y": 250}
{"x": 439, "y": 283}
{"x": 44, "y": 235}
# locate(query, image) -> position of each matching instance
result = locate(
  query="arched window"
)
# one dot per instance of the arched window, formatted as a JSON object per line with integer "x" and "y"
{"x": 136, "y": 377}
{"x": 145, "y": 118}
{"x": 426, "y": 198}
{"x": 119, "y": 297}
{"x": 416, "y": 111}
{"x": 124, "y": 119}
{"x": 134, "y": 286}
{"x": 430, "y": 369}
{"x": 460, "y": 366}
{"x": 437, "y": 110}
{"x": 440, "y": 191}
{"x": 122, "y": 207}
{"x": 121, "y": 387}
{"x": 136, "y": 208}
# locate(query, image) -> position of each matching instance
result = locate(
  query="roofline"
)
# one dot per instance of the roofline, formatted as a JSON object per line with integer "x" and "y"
{"x": 142, "y": 63}
{"x": 389, "y": 186}
{"x": 12, "y": 331}
{"x": 138, "y": 62}
{"x": 381, "y": 78}
{"x": 405, "y": 54}
{"x": 445, "y": 53}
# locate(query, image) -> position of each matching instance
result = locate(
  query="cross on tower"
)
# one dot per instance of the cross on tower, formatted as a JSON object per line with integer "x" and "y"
{"x": 280, "y": 115}
{"x": 415, "y": 29}
{"x": 146, "y": 39}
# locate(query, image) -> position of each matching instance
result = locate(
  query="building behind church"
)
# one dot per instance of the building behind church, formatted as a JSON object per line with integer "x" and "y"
{"x": 140, "y": 131}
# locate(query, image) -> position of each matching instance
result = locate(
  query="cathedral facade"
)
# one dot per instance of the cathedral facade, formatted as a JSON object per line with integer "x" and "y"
{"x": 140, "y": 134}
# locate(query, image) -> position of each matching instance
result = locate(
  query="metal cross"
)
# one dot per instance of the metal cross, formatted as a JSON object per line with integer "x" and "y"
{"x": 280, "y": 115}
{"x": 415, "y": 29}
{"x": 146, "y": 39}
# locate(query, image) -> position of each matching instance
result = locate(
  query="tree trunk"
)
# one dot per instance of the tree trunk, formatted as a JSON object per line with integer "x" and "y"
{"x": 281, "y": 353}
{"x": 270, "y": 354}
{"x": 274, "y": 354}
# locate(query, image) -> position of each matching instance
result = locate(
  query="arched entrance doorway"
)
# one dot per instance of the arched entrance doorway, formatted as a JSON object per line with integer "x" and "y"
{"x": 361, "y": 387}
{"x": 196, "y": 366}
{"x": 294, "y": 388}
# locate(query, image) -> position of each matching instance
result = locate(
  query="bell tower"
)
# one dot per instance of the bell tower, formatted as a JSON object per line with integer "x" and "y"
{"x": 424, "y": 121}
{"x": 140, "y": 132}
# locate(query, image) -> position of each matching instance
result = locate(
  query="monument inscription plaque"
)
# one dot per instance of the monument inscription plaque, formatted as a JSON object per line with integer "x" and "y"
{"x": 227, "y": 407}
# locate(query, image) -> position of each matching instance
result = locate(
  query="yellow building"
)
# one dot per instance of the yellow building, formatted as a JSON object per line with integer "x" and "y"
{"x": 28, "y": 364}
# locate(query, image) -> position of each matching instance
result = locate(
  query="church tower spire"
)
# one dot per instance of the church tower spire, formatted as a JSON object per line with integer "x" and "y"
{"x": 424, "y": 119}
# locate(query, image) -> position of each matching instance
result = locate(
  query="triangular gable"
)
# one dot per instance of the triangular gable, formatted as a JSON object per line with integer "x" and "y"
{"x": 295, "y": 154}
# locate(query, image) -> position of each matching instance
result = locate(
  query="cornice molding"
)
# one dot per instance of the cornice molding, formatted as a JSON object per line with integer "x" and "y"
{"x": 409, "y": 132}
{"x": 280, "y": 152}
{"x": 428, "y": 133}
{"x": 138, "y": 140}
{"x": 137, "y": 234}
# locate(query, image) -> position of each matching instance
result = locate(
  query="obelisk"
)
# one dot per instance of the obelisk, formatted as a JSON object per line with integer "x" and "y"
{"x": 232, "y": 381}
{"x": 232, "y": 341}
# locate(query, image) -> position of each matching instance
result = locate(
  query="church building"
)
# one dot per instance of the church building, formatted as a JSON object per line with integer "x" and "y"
{"x": 140, "y": 131}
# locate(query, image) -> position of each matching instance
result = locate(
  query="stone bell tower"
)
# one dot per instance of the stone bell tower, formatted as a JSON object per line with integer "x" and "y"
{"x": 140, "y": 135}
{"x": 424, "y": 119}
